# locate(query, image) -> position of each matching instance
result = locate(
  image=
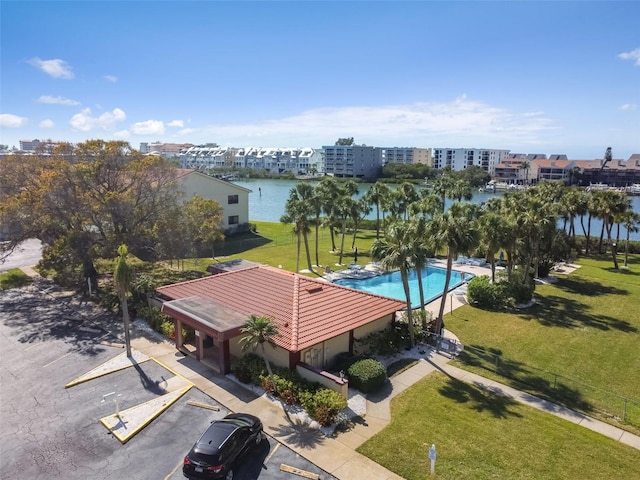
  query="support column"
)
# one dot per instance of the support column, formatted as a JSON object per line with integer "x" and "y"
{"x": 199, "y": 345}
{"x": 178, "y": 333}
{"x": 351, "y": 341}
{"x": 224, "y": 357}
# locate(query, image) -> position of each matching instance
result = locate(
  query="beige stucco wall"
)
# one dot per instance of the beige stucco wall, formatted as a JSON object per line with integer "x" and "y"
{"x": 365, "y": 330}
{"x": 211, "y": 188}
{"x": 277, "y": 356}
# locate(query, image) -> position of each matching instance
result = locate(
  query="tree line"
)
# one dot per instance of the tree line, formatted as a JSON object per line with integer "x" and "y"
{"x": 412, "y": 226}
{"x": 84, "y": 201}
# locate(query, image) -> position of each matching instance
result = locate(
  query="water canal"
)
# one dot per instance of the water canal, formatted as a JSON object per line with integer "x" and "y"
{"x": 268, "y": 198}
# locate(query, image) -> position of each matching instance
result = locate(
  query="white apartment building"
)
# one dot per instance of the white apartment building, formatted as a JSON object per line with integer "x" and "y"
{"x": 279, "y": 160}
{"x": 206, "y": 157}
{"x": 167, "y": 150}
{"x": 461, "y": 158}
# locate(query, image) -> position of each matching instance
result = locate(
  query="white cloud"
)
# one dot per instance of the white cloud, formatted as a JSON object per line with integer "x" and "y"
{"x": 176, "y": 123}
{"x": 124, "y": 134}
{"x": 8, "y": 120}
{"x": 111, "y": 78}
{"x": 452, "y": 123}
{"x": 57, "y": 100}
{"x": 628, "y": 106}
{"x": 186, "y": 131}
{"x": 56, "y": 68}
{"x": 148, "y": 127}
{"x": 84, "y": 122}
{"x": 632, "y": 55}
{"x": 47, "y": 123}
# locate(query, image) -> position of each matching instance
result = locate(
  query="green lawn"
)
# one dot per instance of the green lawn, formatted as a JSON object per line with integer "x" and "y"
{"x": 13, "y": 278}
{"x": 479, "y": 436}
{"x": 275, "y": 245}
{"x": 580, "y": 345}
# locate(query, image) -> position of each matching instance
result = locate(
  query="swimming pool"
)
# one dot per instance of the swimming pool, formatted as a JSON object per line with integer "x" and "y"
{"x": 390, "y": 284}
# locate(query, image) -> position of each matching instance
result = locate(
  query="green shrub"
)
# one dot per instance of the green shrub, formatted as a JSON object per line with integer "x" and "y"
{"x": 168, "y": 329}
{"x": 367, "y": 375}
{"x": 483, "y": 294}
{"x": 249, "y": 368}
{"x": 521, "y": 293}
{"x": 322, "y": 405}
{"x": 495, "y": 296}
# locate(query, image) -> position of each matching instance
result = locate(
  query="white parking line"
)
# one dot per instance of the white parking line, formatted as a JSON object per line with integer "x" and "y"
{"x": 50, "y": 363}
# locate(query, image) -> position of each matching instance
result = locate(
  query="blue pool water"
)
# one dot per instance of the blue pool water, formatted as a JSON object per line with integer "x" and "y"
{"x": 390, "y": 284}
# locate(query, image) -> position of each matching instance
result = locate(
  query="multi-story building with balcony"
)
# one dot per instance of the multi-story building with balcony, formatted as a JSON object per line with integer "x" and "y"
{"x": 404, "y": 155}
{"x": 461, "y": 158}
{"x": 298, "y": 161}
{"x": 352, "y": 161}
{"x": 38, "y": 146}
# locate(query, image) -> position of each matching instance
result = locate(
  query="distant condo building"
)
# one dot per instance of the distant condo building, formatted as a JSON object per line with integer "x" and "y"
{"x": 405, "y": 155}
{"x": 166, "y": 150}
{"x": 352, "y": 161}
{"x": 461, "y": 158}
{"x": 298, "y": 161}
{"x": 38, "y": 146}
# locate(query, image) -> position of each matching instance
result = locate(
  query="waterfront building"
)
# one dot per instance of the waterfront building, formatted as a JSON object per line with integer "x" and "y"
{"x": 207, "y": 157}
{"x": 616, "y": 173}
{"x": 167, "y": 150}
{"x": 298, "y": 161}
{"x": 352, "y": 161}
{"x": 405, "y": 155}
{"x": 461, "y": 158}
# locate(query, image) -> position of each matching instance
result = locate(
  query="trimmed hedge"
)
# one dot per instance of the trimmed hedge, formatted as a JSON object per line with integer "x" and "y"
{"x": 367, "y": 375}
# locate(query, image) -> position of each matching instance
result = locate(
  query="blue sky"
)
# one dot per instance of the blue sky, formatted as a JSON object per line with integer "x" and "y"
{"x": 531, "y": 77}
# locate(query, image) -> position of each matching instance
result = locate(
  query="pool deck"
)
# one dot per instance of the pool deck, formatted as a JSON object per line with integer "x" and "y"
{"x": 454, "y": 299}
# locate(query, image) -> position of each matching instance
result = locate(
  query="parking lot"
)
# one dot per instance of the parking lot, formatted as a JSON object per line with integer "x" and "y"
{"x": 49, "y": 431}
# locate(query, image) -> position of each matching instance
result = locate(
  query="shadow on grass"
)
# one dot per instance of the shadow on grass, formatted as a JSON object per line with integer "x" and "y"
{"x": 546, "y": 385}
{"x": 591, "y": 288}
{"x": 555, "y": 311}
{"x": 479, "y": 399}
{"x": 241, "y": 243}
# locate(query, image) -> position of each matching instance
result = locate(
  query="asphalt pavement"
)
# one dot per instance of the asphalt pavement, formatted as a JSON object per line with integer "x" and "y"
{"x": 49, "y": 431}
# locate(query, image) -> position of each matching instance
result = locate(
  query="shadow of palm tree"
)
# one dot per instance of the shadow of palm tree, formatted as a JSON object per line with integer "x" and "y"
{"x": 299, "y": 433}
{"x": 555, "y": 311}
{"x": 38, "y": 317}
{"x": 540, "y": 383}
{"x": 479, "y": 399}
{"x": 588, "y": 287}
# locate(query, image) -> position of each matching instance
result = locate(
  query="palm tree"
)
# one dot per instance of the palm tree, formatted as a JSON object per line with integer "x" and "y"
{"x": 525, "y": 166}
{"x": 359, "y": 210}
{"x": 328, "y": 191}
{"x": 489, "y": 227}
{"x": 631, "y": 221}
{"x": 122, "y": 278}
{"x": 375, "y": 196}
{"x": 297, "y": 211}
{"x": 421, "y": 251}
{"x": 459, "y": 190}
{"x": 454, "y": 229}
{"x": 394, "y": 251}
{"x": 258, "y": 331}
{"x": 342, "y": 208}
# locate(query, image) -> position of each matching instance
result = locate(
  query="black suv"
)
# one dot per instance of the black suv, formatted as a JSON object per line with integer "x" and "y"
{"x": 216, "y": 451}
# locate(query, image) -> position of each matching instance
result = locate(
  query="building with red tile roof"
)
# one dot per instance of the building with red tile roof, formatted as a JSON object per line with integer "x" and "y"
{"x": 315, "y": 319}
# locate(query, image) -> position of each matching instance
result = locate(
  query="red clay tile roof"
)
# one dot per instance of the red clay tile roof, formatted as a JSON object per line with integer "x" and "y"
{"x": 306, "y": 311}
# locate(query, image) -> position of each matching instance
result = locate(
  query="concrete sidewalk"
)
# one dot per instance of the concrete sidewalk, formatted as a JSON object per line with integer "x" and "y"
{"x": 333, "y": 455}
